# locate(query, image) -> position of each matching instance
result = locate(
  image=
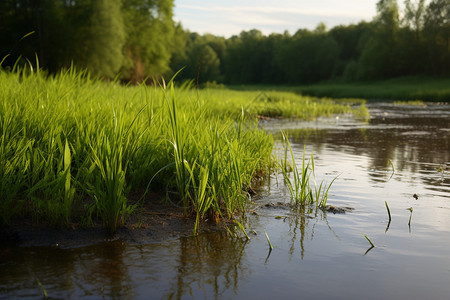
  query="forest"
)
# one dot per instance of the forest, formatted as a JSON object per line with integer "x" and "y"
{"x": 137, "y": 40}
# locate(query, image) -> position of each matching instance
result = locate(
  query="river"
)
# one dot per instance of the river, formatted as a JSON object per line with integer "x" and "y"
{"x": 401, "y": 156}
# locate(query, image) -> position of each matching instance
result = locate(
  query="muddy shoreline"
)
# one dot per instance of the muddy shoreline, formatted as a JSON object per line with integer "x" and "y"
{"x": 158, "y": 222}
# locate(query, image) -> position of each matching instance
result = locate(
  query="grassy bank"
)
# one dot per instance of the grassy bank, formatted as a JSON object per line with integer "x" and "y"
{"x": 74, "y": 149}
{"x": 406, "y": 88}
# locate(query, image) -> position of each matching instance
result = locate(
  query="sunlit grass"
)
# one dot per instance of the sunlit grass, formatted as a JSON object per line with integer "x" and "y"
{"x": 73, "y": 148}
{"x": 302, "y": 186}
{"x": 371, "y": 244}
{"x": 411, "y": 103}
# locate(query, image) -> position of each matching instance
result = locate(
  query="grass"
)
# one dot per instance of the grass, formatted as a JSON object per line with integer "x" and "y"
{"x": 44, "y": 291}
{"x": 371, "y": 244}
{"x": 410, "y": 216}
{"x": 412, "y": 88}
{"x": 389, "y": 215}
{"x": 410, "y": 103}
{"x": 388, "y": 210}
{"x": 392, "y": 168}
{"x": 406, "y": 88}
{"x": 73, "y": 148}
{"x": 299, "y": 183}
{"x": 268, "y": 241}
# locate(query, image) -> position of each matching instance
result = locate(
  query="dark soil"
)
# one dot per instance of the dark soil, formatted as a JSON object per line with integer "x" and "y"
{"x": 158, "y": 222}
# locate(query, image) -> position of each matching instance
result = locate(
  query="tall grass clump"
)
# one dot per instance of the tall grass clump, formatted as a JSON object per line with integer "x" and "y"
{"x": 302, "y": 188}
{"x": 107, "y": 174}
{"x": 215, "y": 160}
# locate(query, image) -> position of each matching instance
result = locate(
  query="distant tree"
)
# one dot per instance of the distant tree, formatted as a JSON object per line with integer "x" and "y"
{"x": 179, "y": 57}
{"x": 414, "y": 16}
{"x": 378, "y": 59}
{"x": 105, "y": 39}
{"x": 309, "y": 56}
{"x": 243, "y": 61}
{"x": 150, "y": 36}
{"x": 139, "y": 40}
{"x": 219, "y": 45}
{"x": 388, "y": 15}
{"x": 208, "y": 63}
{"x": 437, "y": 32}
{"x": 41, "y": 22}
{"x": 272, "y": 71}
{"x": 200, "y": 57}
{"x": 351, "y": 40}
{"x": 410, "y": 42}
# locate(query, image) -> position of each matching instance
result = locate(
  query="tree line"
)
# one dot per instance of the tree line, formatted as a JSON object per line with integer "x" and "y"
{"x": 139, "y": 40}
{"x": 132, "y": 38}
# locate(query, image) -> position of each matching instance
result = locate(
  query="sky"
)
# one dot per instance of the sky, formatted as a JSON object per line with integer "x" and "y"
{"x": 230, "y": 17}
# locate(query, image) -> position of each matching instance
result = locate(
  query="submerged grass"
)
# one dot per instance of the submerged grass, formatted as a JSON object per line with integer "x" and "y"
{"x": 74, "y": 148}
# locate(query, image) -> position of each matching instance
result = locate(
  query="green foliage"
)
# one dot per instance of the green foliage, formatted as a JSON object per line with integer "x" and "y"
{"x": 201, "y": 57}
{"x": 149, "y": 39}
{"x": 134, "y": 37}
{"x": 73, "y": 148}
{"x": 138, "y": 40}
{"x": 437, "y": 33}
{"x": 106, "y": 176}
{"x": 251, "y": 58}
{"x": 396, "y": 43}
{"x": 106, "y": 39}
{"x": 308, "y": 57}
{"x": 403, "y": 88}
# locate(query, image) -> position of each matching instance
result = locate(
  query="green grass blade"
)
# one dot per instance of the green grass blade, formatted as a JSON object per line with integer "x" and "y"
{"x": 388, "y": 210}
{"x": 369, "y": 241}
{"x": 268, "y": 240}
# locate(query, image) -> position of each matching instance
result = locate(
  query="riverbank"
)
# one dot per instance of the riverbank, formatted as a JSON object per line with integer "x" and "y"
{"x": 74, "y": 149}
{"x": 404, "y": 88}
{"x": 156, "y": 222}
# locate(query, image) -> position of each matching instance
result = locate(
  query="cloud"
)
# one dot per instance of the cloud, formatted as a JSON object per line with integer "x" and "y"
{"x": 228, "y": 18}
{"x": 331, "y": 12}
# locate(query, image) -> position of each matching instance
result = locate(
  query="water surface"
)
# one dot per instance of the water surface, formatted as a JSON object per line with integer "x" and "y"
{"x": 399, "y": 152}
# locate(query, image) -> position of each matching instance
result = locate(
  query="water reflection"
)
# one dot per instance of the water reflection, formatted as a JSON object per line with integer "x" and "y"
{"x": 95, "y": 270}
{"x": 302, "y": 223}
{"x": 415, "y": 140}
{"x": 205, "y": 266}
{"x": 210, "y": 263}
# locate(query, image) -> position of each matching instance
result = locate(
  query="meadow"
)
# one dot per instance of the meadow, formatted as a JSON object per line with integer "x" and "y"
{"x": 409, "y": 88}
{"x": 79, "y": 151}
